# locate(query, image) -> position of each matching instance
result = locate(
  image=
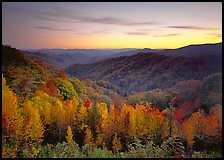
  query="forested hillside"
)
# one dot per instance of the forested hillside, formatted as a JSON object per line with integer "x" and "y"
{"x": 147, "y": 71}
{"x": 47, "y": 114}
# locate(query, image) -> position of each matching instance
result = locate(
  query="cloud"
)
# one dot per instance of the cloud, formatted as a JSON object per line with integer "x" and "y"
{"x": 52, "y": 28}
{"x": 167, "y": 35}
{"x": 190, "y": 27}
{"x": 114, "y": 21}
{"x": 137, "y": 33}
{"x": 60, "y": 14}
{"x": 65, "y": 15}
{"x": 47, "y": 18}
{"x": 100, "y": 20}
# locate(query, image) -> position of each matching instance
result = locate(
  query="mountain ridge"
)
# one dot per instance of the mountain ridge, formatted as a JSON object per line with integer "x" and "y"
{"x": 146, "y": 71}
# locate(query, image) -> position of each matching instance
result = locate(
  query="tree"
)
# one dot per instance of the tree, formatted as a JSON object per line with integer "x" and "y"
{"x": 66, "y": 89}
{"x": 69, "y": 137}
{"x": 33, "y": 126}
{"x": 87, "y": 103}
{"x": 194, "y": 126}
{"x": 81, "y": 118}
{"x": 213, "y": 123}
{"x": 132, "y": 118}
{"x": 141, "y": 119}
{"x": 116, "y": 143}
{"x": 49, "y": 88}
{"x": 43, "y": 102}
{"x": 111, "y": 120}
{"x": 11, "y": 118}
{"x": 88, "y": 138}
{"x": 62, "y": 74}
{"x": 104, "y": 114}
{"x": 60, "y": 118}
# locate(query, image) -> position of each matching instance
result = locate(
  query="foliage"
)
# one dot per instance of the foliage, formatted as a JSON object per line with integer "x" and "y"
{"x": 22, "y": 75}
{"x": 49, "y": 88}
{"x": 116, "y": 144}
{"x": 66, "y": 89}
{"x": 69, "y": 136}
{"x": 11, "y": 119}
{"x": 101, "y": 153}
{"x": 129, "y": 131}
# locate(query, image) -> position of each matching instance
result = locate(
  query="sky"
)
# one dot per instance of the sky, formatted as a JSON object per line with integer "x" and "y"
{"x": 88, "y": 25}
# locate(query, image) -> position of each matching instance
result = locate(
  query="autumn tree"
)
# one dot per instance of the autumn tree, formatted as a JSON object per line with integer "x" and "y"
{"x": 44, "y": 103}
{"x": 11, "y": 118}
{"x": 87, "y": 103}
{"x": 213, "y": 123}
{"x": 141, "y": 127}
{"x": 155, "y": 123}
{"x": 89, "y": 138}
{"x": 62, "y": 74}
{"x": 69, "y": 136}
{"x": 49, "y": 88}
{"x": 123, "y": 119}
{"x": 111, "y": 120}
{"x": 116, "y": 143}
{"x": 104, "y": 114}
{"x": 33, "y": 127}
{"x": 60, "y": 118}
{"x": 132, "y": 119}
{"x": 66, "y": 89}
{"x": 81, "y": 118}
{"x": 71, "y": 107}
{"x": 194, "y": 126}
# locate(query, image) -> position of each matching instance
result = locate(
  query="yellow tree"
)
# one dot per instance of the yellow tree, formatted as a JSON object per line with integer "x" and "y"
{"x": 71, "y": 111}
{"x": 60, "y": 118}
{"x": 33, "y": 126}
{"x": 11, "y": 119}
{"x": 216, "y": 112}
{"x": 42, "y": 102}
{"x": 99, "y": 140}
{"x": 132, "y": 118}
{"x": 88, "y": 138}
{"x": 123, "y": 119}
{"x": 141, "y": 122}
{"x": 111, "y": 121}
{"x": 189, "y": 132}
{"x": 80, "y": 118}
{"x": 213, "y": 122}
{"x": 104, "y": 114}
{"x": 69, "y": 136}
{"x": 194, "y": 126}
{"x": 154, "y": 123}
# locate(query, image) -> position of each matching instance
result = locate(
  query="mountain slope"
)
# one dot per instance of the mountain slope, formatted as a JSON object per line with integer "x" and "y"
{"x": 195, "y": 50}
{"x": 22, "y": 75}
{"x": 147, "y": 71}
{"x": 62, "y": 58}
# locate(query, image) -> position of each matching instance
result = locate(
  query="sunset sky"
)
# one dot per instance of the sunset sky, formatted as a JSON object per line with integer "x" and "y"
{"x": 110, "y": 25}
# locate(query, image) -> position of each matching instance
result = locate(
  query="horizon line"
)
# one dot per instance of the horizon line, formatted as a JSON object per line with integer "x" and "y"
{"x": 110, "y": 48}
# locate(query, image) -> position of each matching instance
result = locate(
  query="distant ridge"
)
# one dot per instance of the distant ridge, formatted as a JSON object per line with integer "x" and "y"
{"x": 147, "y": 71}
